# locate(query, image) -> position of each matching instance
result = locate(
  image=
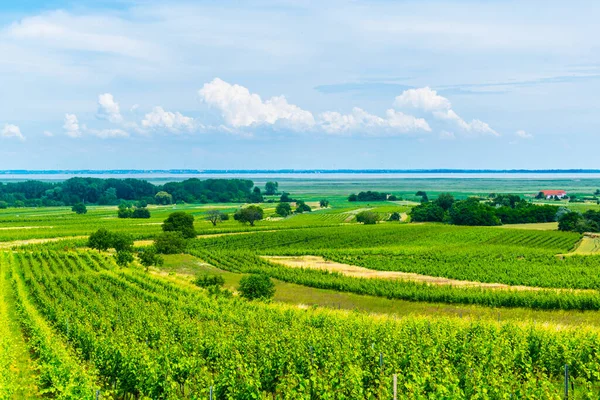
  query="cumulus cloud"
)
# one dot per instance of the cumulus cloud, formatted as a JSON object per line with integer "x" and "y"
{"x": 175, "y": 122}
{"x": 363, "y": 122}
{"x": 240, "y": 108}
{"x": 523, "y": 135}
{"x": 427, "y": 99}
{"x": 108, "y": 109}
{"x": 71, "y": 126}
{"x": 12, "y": 131}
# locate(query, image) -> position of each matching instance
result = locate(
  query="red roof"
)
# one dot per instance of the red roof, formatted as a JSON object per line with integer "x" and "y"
{"x": 554, "y": 192}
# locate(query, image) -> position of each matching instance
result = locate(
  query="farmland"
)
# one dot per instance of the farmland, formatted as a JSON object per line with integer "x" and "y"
{"x": 76, "y": 325}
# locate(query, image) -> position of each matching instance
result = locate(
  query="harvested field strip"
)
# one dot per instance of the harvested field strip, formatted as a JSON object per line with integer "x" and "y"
{"x": 319, "y": 263}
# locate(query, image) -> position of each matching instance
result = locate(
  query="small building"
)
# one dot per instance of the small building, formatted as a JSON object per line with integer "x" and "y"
{"x": 550, "y": 194}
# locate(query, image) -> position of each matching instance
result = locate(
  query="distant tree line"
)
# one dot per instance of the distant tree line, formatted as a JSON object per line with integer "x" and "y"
{"x": 371, "y": 196}
{"x": 500, "y": 209}
{"x": 573, "y": 221}
{"x": 113, "y": 191}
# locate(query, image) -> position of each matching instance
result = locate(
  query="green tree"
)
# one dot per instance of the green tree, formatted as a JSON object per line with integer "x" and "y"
{"x": 149, "y": 257}
{"x": 445, "y": 200}
{"x": 472, "y": 212}
{"x": 395, "y": 216}
{"x": 79, "y": 208}
{"x": 123, "y": 258}
{"x": 172, "y": 242}
{"x": 271, "y": 188}
{"x": 367, "y": 217}
{"x": 122, "y": 242}
{"x": 570, "y": 222}
{"x": 249, "y": 214}
{"x": 256, "y": 196}
{"x": 214, "y": 216}
{"x": 163, "y": 198}
{"x": 427, "y": 212}
{"x": 285, "y": 198}
{"x": 323, "y": 203}
{"x": 3, "y": 205}
{"x": 256, "y": 287}
{"x": 140, "y": 212}
{"x": 180, "y": 222}
{"x": 302, "y": 207}
{"x": 283, "y": 209}
{"x": 101, "y": 240}
{"x": 125, "y": 210}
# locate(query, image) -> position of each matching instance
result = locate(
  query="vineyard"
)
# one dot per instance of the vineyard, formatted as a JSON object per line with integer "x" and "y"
{"x": 120, "y": 333}
{"x": 74, "y": 325}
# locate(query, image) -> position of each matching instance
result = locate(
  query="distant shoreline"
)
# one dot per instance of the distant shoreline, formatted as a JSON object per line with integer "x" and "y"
{"x": 296, "y": 171}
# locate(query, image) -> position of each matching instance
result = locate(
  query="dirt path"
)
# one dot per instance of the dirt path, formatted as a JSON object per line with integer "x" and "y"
{"x": 589, "y": 245}
{"x": 315, "y": 262}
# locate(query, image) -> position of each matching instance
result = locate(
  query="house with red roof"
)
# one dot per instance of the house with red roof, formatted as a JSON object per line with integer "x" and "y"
{"x": 550, "y": 194}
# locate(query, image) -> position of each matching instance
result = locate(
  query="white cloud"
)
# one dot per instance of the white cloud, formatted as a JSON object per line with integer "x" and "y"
{"x": 523, "y": 135}
{"x": 108, "y": 109}
{"x": 48, "y": 134}
{"x": 109, "y": 133}
{"x": 173, "y": 121}
{"x": 240, "y": 108}
{"x": 12, "y": 131}
{"x": 427, "y": 99}
{"x": 424, "y": 99}
{"x": 71, "y": 126}
{"x": 361, "y": 121}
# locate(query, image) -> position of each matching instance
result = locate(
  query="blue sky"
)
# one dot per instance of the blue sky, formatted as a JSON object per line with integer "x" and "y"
{"x": 299, "y": 84}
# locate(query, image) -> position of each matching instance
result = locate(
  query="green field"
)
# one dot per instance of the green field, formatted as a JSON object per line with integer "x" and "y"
{"x": 455, "y": 312}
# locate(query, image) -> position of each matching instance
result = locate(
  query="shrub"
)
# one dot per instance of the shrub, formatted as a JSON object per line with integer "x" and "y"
{"x": 148, "y": 257}
{"x": 180, "y": 222}
{"x": 283, "y": 209}
{"x": 256, "y": 287}
{"x": 206, "y": 280}
{"x": 395, "y": 216}
{"x": 140, "y": 212}
{"x": 367, "y": 217}
{"x": 302, "y": 207}
{"x": 79, "y": 208}
{"x": 249, "y": 215}
{"x": 123, "y": 258}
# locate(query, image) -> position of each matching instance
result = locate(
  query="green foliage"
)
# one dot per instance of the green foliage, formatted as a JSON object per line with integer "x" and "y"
{"x": 323, "y": 203}
{"x": 123, "y": 258}
{"x": 395, "y": 216}
{"x": 79, "y": 208}
{"x": 271, "y": 188}
{"x": 140, "y": 212}
{"x": 215, "y": 216}
{"x": 427, "y": 212}
{"x": 283, "y": 209}
{"x": 368, "y": 196}
{"x": 249, "y": 214}
{"x": 445, "y": 201}
{"x": 182, "y": 222}
{"x": 127, "y": 210}
{"x": 472, "y": 212}
{"x": 103, "y": 240}
{"x": 256, "y": 287}
{"x": 302, "y": 207}
{"x": 206, "y": 280}
{"x": 367, "y": 217}
{"x": 256, "y": 196}
{"x": 576, "y": 222}
{"x": 163, "y": 198}
{"x": 285, "y": 198}
{"x": 149, "y": 257}
{"x": 171, "y": 242}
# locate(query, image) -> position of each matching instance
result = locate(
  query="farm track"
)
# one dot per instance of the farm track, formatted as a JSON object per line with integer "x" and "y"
{"x": 319, "y": 263}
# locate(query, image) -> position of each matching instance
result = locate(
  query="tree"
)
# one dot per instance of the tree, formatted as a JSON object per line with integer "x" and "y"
{"x": 79, "y": 208}
{"x": 123, "y": 258}
{"x": 171, "y": 242}
{"x": 125, "y": 210}
{"x": 445, "y": 201}
{"x": 3, "y": 205}
{"x": 395, "y": 216}
{"x": 249, "y": 214}
{"x": 472, "y": 212}
{"x": 302, "y": 207}
{"x": 180, "y": 222}
{"x": 140, "y": 212}
{"x": 163, "y": 198}
{"x": 285, "y": 198}
{"x": 427, "y": 212}
{"x": 256, "y": 196}
{"x": 206, "y": 280}
{"x": 283, "y": 209}
{"x": 569, "y": 221}
{"x": 149, "y": 257}
{"x": 540, "y": 195}
{"x": 100, "y": 240}
{"x": 324, "y": 203}
{"x": 256, "y": 287}
{"x": 122, "y": 242}
{"x": 367, "y": 217}
{"x": 214, "y": 216}
{"x": 597, "y": 192}
{"x": 271, "y": 188}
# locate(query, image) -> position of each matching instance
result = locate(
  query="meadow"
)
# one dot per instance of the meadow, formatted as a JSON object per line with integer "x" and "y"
{"x": 75, "y": 325}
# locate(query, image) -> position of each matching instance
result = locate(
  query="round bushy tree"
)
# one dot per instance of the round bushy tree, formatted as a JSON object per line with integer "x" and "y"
{"x": 180, "y": 222}
{"x": 256, "y": 287}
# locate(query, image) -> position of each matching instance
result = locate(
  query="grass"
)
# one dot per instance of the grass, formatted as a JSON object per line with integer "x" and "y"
{"x": 184, "y": 267}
